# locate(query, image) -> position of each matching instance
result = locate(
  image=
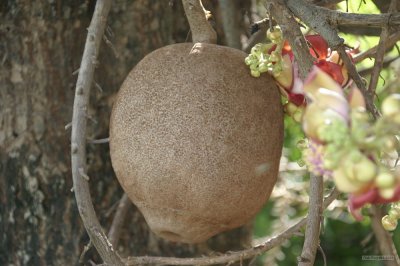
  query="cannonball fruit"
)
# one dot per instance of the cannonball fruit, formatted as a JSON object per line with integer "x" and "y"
{"x": 195, "y": 140}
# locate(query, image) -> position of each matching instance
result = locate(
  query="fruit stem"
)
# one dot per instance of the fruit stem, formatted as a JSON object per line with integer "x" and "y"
{"x": 197, "y": 15}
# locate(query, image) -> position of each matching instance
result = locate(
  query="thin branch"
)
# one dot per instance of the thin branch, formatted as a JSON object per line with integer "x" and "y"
{"x": 232, "y": 256}
{"x": 321, "y": 250}
{"x": 119, "y": 218}
{"x": 85, "y": 250}
{"x": 78, "y": 135}
{"x": 291, "y": 32}
{"x": 390, "y": 42}
{"x": 200, "y": 27}
{"x": 358, "y": 80}
{"x": 383, "y": 238}
{"x": 311, "y": 241}
{"x": 380, "y": 53}
{"x": 337, "y": 18}
{"x": 326, "y": 2}
{"x": 386, "y": 63}
{"x": 99, "y": 141}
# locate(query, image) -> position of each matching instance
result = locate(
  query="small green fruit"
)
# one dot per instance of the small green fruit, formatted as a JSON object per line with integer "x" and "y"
{"x": 388, "y": 223}
{"x": 385, "y": 180}
{"x": 255, "y": 73}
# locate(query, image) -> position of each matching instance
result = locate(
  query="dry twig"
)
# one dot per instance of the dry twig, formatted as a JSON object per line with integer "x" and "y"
{"x": 197, "y": 16}
{"x": 291, "y": 32}
{"x": 232, "y": 256}
{"x": 119, "y": 218}
{"x": 380, "y": 54}
{"x": 390, "y": 42}
{"x": 78, "y": 135}
{"x": 311, "y": 241}
{"x": 384, "y": 239}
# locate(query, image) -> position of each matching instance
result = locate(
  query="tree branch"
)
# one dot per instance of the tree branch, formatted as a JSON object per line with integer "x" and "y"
{"x": 383, "y": 238}
{"x": 386, "y": 63}
{"x": 358, "y": 80}
{"x": 380, "y": 53}
{"x": 78, "y": 135}
{"x": 119, "y": 218}
{"x": 291, "y": 32}
{"x": 390, "y": 42}
{"x": 197, "y": 16}
{"x": 232, "y": 256}
{"x": 337, "y": 18}
{"x": 311, "y": 241}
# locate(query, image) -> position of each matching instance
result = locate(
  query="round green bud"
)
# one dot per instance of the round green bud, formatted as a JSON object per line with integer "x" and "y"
{"x": 263, "y": 67}
{"x": 254, "y": 66}
{"x": 388, "y": 223}
{"x": 384, "y": 180}
{"x": 394, "y": 213}
{"x": 248, "y": 60}
{"x": 365, "y": 170}
{"x": 255, "y": 73}
{"x": 386, "y": 193}
{"x": 275, "y": 34}
{"x": 290, "y": 108}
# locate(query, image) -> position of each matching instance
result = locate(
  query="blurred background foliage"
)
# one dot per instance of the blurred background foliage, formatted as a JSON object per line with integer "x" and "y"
{"x": 343, "y": 240}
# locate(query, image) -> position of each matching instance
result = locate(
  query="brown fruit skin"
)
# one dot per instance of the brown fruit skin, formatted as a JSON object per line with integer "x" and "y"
{"x": 188, "y": 131}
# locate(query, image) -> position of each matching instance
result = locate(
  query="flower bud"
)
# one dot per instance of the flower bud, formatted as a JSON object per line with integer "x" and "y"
{"x": 343, "y": 183}
{"x": 384, "y": 180}
{"x": 388, "y": 223}
{"x": 263, "y": 67}
{"x": 255, "y": 73}
{"x": 386, "y": 193}
{"x": 290, "y": 108}
{"x": 365, "y": 170}
{"x": 275, "y": 34}
{"x": 315, "y": 117}
{"x": 394, "y": 213}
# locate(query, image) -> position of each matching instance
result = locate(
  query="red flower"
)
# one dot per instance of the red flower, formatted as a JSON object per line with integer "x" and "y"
{"x": 371, "y": 196}
{"x": 289, "y": 81}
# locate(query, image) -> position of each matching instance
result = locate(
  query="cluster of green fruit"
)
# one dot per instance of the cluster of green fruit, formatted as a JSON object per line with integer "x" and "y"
{"x": 389, "y": 221}
{"x": 261, "y": 59}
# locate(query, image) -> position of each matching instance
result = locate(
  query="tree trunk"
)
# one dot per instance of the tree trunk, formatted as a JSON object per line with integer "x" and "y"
{"x": 41, "y": 44}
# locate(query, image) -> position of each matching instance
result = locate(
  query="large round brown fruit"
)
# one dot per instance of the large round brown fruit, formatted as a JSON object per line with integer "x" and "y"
{"x": 195, "y": 140}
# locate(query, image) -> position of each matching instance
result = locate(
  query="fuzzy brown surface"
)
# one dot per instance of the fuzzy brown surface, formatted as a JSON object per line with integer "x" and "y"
{"x": 195, "y": 140}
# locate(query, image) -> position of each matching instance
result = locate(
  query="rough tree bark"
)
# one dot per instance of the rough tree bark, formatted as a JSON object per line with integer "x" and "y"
{"x": 41, "y": 44}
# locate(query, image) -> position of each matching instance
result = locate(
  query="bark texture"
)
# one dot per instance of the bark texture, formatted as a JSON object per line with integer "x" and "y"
{"x": 41, "y": 44}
